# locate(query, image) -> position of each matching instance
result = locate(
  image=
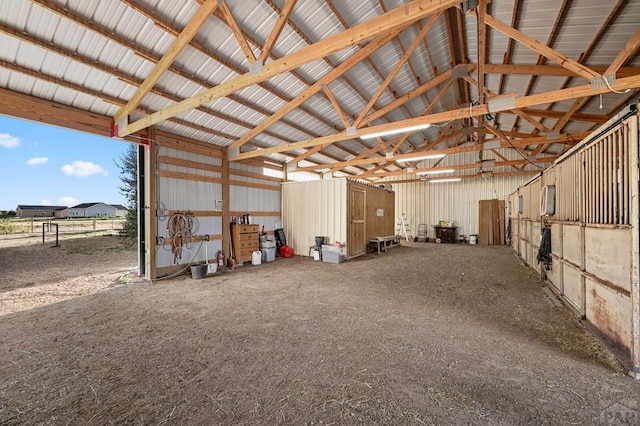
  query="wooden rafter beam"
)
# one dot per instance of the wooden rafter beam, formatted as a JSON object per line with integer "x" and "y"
{"x": 398, "y": 17}
{"x": 564, "y": 139}
{"x": 505, "y": 163}
{"x": 149, "y": 55}
{"x": 397, "y": 142}
{"x": 540, "y": 48}
{"x": 237, "y": 32}
{"x": 482, "y": 49}
{"x": 192, "y": 28}
{"x": 627, "y": 51}
{"x": 544, "y": 113}
{"x": 423, "y": 88}
{"x": 551, "y": 70}
{"x": 597, "y": 38}
{"x": 551, "y": 39}
{"x": 283, "y": 17}
{"x": 519, "y": 113}
{"x": 396, "y": 69}
{"x": 577, "y": 104}
{"x": 317, "y": 86}
{"x": 454, "y": 50}
{"x": 336, "y": 105}
{"x": 506, "y": 59}
{"x": 468, "y": 177}
{"x": 459, "y": 113}
{"x": 446, "y": 151}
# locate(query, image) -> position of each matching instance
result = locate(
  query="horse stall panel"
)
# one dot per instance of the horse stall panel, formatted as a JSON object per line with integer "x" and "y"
{"x": 572, "y": 244}
{"x": 526, "y": 202}
{"x": 524, "y": 241}
{"x": 556, "y": 239}
{"x": 572, "y": 281}
{"x": 554, "y": 274}
{"x": 534, "y": 200}
{"x": 608, "y": 255}
{"x": 610, "y": 312}
{"x": 530, "y": 256}
{"x": 594, "y": 230}
{"x": 536, "y": 237}
{"x": 515, "y": 233}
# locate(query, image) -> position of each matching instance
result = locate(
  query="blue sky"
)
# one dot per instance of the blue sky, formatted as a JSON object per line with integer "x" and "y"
{"x": 41, "y": 164}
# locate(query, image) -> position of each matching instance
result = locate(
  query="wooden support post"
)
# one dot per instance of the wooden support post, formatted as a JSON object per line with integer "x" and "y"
{"x": 151, "y": 218}
{"x": 226, "y": 207}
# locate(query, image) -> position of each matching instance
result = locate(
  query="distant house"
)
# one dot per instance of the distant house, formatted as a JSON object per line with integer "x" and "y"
{"x": 97, "y": 210}
{"x": 24, "y": 210}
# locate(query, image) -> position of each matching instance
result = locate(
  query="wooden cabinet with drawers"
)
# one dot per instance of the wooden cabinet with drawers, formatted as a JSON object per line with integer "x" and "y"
{"x": 245, "y": 241}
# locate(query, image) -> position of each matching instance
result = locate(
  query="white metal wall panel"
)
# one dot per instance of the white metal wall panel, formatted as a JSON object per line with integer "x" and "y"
{"x": 314, "y": 208}
{"x": 456, "y": 201}
{"x": 254, "y": 200}
{"x": 572, "y": 286}
{"x": 187, "y": 195}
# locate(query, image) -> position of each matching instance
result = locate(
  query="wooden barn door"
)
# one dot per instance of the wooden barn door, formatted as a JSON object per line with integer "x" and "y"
{"x": 491, "y": 223}
{"x": 357, "y": 243}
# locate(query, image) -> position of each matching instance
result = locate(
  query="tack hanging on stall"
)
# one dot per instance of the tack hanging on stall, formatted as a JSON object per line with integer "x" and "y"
{"x": 544, "y": 252}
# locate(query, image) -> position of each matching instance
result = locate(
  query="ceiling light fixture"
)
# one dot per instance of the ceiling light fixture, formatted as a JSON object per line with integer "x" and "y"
{"x": 445, "y": 180}
{"x": 434, "y": 172}
{"x": 423, "y": 157}
{"x": 396, "y": 131}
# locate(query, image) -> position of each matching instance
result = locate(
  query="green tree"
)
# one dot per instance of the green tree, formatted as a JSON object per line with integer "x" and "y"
{"x": 129, "y": 176}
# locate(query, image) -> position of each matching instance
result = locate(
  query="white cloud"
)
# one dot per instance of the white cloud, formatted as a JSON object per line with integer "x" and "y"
{"x": 8, "y": 141}
{"x": 83, "y": 169}
{"x": 68, "y": 201}
{"x": 46, "y": 203}
{"x": 37, "y": 160}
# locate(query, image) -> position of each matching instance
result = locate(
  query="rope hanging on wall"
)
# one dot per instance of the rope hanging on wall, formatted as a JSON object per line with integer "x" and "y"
{"x": 181, "y": 229}
{"x": 544, "y": 252}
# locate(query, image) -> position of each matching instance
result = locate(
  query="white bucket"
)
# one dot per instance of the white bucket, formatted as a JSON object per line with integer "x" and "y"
{"x": 256, "y": 258}
{"x": 473, "y": 239}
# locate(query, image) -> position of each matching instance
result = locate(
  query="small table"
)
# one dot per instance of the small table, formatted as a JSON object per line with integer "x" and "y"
{"x": 445, "y": 234}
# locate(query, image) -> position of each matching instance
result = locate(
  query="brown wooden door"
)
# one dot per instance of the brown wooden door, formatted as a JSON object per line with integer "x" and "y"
{"x": 491, "y": 222}
{"x": 357, "y": 243}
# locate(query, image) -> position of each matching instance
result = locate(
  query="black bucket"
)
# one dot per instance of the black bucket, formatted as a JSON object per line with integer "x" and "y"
{"x": 198, "y": 271}
{"x": 319, "y": 242}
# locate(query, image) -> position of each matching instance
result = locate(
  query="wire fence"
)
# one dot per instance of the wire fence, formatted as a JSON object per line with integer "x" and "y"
{"x": 65, "y": 226}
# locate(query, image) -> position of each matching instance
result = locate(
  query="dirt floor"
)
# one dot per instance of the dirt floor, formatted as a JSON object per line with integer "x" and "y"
{"x": 438, "y": 334}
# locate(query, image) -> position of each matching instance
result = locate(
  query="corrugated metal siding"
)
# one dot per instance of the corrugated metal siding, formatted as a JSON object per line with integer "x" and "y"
{"x": 253, "y": 200}
{"x": 314, "y": 208}
{"x": 456, "y": 201}
{"x": 187, "y": 195}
